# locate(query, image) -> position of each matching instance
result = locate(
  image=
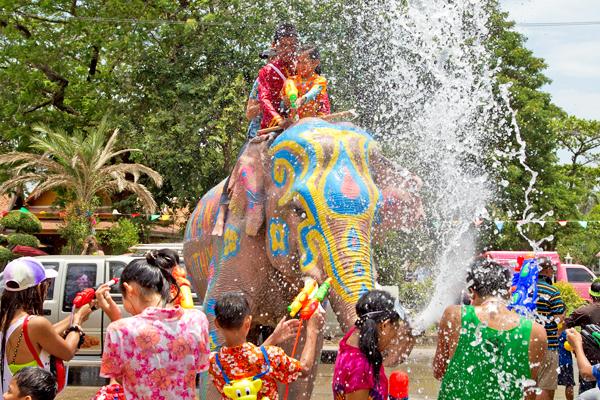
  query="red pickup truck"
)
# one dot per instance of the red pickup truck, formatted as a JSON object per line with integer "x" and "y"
{"x": 577, "y": 275}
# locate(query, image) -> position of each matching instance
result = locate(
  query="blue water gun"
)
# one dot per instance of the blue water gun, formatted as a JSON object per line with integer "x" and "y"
{"x": 524, "y": 287}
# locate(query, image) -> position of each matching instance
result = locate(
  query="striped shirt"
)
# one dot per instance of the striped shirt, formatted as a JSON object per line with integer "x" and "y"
{"x": 549, "y": 305}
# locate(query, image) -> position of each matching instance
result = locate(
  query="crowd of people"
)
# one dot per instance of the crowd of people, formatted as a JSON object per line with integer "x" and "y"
{"x": 485, "y": 350}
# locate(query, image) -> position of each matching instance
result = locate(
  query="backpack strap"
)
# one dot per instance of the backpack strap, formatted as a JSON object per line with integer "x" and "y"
{"x": 267, "y": 362}
{"x": 29, "y": 344}
{"x": 225, "y": 377}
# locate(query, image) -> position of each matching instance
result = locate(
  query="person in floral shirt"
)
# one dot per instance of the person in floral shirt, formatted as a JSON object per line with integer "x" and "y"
{"x": 240, "y": 359}
{"x": 157, "y": 353}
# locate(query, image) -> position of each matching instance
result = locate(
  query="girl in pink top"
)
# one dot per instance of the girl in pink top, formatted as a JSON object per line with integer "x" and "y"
{"x": 359, "y": 372}
{"x": 157, "y": 353}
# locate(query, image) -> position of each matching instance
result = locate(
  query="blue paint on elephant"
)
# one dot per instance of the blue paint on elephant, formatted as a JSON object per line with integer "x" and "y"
{"x": 209, "y": 306}
{"x": 278, "y": 234}
{"x": 359, "y": 270}
{"x": 345, "y": 190}
{"x": 353, "y": 240}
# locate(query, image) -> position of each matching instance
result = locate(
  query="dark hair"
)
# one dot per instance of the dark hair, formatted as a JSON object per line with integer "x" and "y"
{"x": 314, "y": 54}
{"x": 165, "y": 258}
{"x": 37, "y": 383}
{"x": 595, "y": 288}
{"x": 231, "y": 310}
{"x": 488, "y": 278}
{"x": 152, "y": 273}
{"x": 31, "y": 300}
{"x": 373, "y": 307}
{"x": 285, "y": 30}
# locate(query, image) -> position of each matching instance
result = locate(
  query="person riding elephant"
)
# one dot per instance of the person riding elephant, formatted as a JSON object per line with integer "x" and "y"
{"x": 306, "y": 203}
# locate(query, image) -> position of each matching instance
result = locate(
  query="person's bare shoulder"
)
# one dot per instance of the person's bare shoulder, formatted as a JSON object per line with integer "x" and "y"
{"x": 451, "y": 316}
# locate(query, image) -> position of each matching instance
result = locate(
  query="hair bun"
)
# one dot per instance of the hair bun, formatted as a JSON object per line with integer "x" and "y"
{"x": 151, "y": 257}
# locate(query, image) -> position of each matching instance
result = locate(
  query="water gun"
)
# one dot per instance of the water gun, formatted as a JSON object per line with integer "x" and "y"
{"x": 524, "y": 285}
{"x": 589, "y": 334}
{"x": 291, "y": 92}
{"x": 309, "y": 298}
{"x": 184, "y": 299}
{"x": 87, "y": 295}
{"x": 398, "y": 386}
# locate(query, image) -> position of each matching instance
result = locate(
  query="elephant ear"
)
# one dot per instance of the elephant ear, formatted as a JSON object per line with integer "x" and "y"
{"x": 400, "y": 189}
{"x": 247, "y": 186}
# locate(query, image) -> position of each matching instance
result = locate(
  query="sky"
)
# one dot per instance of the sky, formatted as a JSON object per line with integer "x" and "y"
{"x": 572, "y": 53}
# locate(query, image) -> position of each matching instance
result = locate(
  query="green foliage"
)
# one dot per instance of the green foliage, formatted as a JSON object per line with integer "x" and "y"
{"x": 6, "y": 255}
{"x": 570, "y": 296}
{"x": 3, "y": 240}
{"x": 23, "y": 239}
{"x": 415, "y": 295}
{"x": 121, "y": 236}
{"x": 22, "y": 222}
{"x": 74, "y": 230}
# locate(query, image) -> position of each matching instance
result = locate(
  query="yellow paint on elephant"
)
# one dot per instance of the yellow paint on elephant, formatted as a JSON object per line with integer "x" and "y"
{"x": 319, "y": 233}
{"x": 231, "y": 241}
{"x": 278, "y": 237}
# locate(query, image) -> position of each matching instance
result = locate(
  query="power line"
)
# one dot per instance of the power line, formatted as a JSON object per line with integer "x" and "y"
{"x": 205, "y": 23}
{"x": 561, "y": 23}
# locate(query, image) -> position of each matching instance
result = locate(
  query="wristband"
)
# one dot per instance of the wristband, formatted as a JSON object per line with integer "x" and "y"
{"x": 76, "y": 328}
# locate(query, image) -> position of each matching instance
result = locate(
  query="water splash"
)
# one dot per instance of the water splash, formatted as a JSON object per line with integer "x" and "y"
{"x": 528, "y": 216}
{"x": 429, "y": 97}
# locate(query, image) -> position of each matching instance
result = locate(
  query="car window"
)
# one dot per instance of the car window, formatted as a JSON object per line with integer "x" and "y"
{"x": 578, "y": 275}
{"x": 115, "y": 268}
{"x": 50, "y": 265}
{"x": 79, "y": 276}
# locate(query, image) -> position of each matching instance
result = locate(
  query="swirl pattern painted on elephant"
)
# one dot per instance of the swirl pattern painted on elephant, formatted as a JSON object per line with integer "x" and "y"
{"x": 323, "y": 170}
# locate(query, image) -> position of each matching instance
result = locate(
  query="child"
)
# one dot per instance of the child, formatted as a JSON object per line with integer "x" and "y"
{"x": 272, "y": 76}
{"x": 313, "y": 100}
{"x": 565, "y": 366}
{"x": 239, "y": 359}
{"x": 31, "y": 383}
{"x": 359, "y": 372}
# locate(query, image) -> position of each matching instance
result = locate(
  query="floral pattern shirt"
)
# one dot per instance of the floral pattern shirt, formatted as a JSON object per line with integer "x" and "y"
{"x": 247, "y": 360}
{"x": 157, "y": 354}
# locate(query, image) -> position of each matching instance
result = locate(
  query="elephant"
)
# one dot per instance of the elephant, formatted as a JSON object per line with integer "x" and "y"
{"x": 306, "y": 202}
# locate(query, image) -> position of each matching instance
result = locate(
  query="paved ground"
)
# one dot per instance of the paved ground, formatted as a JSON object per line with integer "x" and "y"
{"x": 422, "y": 386}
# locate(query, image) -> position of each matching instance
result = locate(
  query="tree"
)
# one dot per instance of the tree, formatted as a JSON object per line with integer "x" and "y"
{"x": 581, "y": 138}
{"x": 83, "y": 164}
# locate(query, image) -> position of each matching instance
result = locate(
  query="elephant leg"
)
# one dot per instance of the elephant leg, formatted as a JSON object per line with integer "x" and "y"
{"x": 302, "y": 389}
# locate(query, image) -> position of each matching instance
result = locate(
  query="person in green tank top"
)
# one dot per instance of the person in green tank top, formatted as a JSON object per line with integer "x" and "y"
{"x": 485, "y": 351}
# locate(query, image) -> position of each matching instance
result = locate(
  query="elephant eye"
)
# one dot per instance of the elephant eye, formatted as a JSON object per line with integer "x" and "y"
{"x": 238, "y": 393}
{"x": 299, "y": 211}
{"x": 247, "y": 391}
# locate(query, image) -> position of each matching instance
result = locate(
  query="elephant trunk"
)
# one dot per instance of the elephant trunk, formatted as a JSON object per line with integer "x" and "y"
{"x": 351, "y": 269}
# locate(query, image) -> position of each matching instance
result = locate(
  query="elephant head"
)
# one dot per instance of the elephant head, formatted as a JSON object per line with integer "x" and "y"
{"x": 321, "y": 190}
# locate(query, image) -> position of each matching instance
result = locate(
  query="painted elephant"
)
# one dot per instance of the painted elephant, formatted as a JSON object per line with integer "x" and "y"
{"x": 306, "y": 202}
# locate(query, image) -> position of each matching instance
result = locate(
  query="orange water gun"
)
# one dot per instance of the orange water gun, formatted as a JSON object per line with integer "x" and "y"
{"x": 309, "y": 298}
{"x": 184, "y": 299}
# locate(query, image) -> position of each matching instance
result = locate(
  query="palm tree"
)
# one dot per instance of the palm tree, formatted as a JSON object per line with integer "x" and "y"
{"x": 84, "y": 165}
